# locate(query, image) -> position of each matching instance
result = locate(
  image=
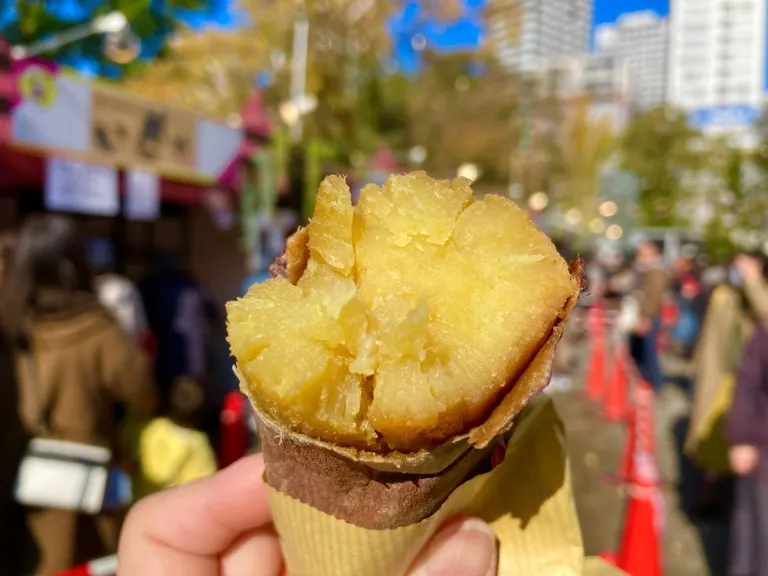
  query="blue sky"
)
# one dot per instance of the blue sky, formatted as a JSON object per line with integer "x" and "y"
{"x": 609, "y": 10}
{"x": 464, "y": 33}
{"x": 468, "y": 31}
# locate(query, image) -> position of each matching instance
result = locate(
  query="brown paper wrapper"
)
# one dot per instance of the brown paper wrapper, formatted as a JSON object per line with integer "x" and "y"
{"x": 527, "y": 500}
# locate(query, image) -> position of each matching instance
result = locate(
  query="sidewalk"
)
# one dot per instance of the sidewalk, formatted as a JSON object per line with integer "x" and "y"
{"x": 596, "y": 448}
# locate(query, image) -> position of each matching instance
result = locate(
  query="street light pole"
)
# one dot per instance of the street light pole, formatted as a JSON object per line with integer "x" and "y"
{"x": 299, "y": 64}
{"x": 516, "y": 157}
{"x": 112, "y": 23}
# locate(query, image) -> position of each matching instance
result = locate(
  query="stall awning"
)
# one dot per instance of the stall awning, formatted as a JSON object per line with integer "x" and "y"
{"x": 57, "y": 113}
{"x": 20, "y": 170}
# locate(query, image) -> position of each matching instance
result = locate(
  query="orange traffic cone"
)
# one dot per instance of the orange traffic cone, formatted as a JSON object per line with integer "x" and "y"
{"x": 233, "y": 443}
{"x": 644, "y": 426}
{"x": 640, "y": 432}
{"x": 615, "y": 402}
{"x": 640, "y": 547}
{"x": 639, "y": 551}
{"x": 639, "y": 554}
{"x": 595, "y": 386}
{"x": 627, "y": 460}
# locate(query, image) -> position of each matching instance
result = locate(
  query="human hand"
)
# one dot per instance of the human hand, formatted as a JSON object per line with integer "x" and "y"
{"x": 221, "y": 526}
{"x": 751, "y": 269}
{"x": 743, "y": 459}
{"x": 643, "y": 326}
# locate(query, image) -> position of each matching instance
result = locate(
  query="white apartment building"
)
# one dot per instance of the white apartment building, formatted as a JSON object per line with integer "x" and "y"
{"x": 605, "y": 79}
{"x": 526, "y": 34}
{"x": 717, "y": 63}
{"x": 641, "y": 38}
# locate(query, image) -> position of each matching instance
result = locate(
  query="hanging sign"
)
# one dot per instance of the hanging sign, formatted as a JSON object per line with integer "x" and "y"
{"x": 127, "y": 130}
{"x": 54, "y": 112}
{"x": 142, "y": 195}
{"x": 83, "y": 188}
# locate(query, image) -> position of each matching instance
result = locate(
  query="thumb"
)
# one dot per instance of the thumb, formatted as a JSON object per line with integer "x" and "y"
{"x": 463, "y": 547}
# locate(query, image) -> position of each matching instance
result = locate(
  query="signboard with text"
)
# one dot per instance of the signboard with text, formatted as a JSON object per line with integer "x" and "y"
{"x": 142, "y": 195}
{"x": 58, "y": 113}
{"x": 82, "y": 188}
{"x": 724, "y": 116}
{"x": 124, "y": 129}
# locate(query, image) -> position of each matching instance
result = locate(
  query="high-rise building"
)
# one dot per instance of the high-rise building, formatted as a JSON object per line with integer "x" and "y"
{"x": 717, "y": 63}
{"x": 603, "y": 79}
{"x": 641, "y": 38}
{"x": 527, "y": 34}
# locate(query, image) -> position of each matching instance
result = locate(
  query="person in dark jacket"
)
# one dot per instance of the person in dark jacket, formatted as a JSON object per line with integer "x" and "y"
{"x": 748, "y": 456}
{"x": 176, "y": 312}
{"x": 653, "y": 283}
{"x": 17, "y": 547}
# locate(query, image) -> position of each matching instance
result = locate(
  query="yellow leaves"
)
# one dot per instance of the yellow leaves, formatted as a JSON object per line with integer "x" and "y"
{"x": 443, "y": 10}
{"x": 585, "y": 143}
{"x": 210, "y": 72}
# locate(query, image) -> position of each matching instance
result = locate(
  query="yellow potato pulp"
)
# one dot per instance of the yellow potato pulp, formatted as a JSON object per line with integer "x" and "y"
{"x": 413, "y": 311}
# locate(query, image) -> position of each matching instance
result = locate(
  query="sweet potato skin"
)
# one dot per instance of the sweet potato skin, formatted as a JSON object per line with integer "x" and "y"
{"x": 355, "y": 492}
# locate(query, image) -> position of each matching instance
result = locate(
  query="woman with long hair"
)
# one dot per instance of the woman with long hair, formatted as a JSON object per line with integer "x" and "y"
{"x": 75, "y": 365}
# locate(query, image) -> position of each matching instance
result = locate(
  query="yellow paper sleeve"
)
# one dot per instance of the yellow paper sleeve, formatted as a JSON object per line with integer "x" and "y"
{"x": 527, "y": 500}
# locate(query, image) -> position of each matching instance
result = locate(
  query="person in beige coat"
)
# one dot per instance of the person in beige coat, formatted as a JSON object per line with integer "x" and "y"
{"x": 729, "y": 323}
{"x": 76, "y": 365}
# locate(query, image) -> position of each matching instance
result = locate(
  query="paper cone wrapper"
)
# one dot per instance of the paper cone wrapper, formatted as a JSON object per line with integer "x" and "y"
{"x": 343, "y": 511}
{"x": 527, "y": 500}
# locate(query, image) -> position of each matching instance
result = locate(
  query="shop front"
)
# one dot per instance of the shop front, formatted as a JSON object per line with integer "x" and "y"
{"x": 137, "y": 174}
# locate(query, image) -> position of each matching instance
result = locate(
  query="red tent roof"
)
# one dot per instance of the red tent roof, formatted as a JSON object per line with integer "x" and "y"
{"x": 22, "y": 170}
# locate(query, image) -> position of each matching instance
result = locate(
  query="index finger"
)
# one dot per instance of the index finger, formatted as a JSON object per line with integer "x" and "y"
{"x": 201, "y": 519}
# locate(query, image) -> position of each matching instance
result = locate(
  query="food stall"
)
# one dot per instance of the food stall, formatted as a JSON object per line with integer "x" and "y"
{"x": 141, "y": 174}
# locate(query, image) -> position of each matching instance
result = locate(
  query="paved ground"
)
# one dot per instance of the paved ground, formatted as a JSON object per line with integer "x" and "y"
{"x": 596, "y": 448}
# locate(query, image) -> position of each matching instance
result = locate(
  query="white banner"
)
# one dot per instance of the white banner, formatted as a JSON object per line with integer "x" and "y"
{"x": 220, "y": 207}
{"x": 142, "y": 195}
{"x": 83, "y": 188}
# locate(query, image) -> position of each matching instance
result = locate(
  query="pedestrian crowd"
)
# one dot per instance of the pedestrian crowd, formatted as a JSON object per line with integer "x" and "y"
{"x": 112, "y": 392}
{"x": 112, "y": 389}
{"x": 107, "y": 384}
{"x": 714, "y": 315}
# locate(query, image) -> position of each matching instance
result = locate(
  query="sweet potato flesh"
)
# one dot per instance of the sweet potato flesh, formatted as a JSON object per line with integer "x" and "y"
{"x": 414, "y": 311}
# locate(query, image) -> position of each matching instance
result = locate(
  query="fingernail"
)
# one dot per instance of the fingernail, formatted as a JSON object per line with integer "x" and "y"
{"x": 469, "y": 550}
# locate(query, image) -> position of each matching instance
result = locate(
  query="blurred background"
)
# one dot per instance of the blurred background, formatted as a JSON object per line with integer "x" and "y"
{"x": 192, "y": 135}
{"x": 604, "y": 118}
